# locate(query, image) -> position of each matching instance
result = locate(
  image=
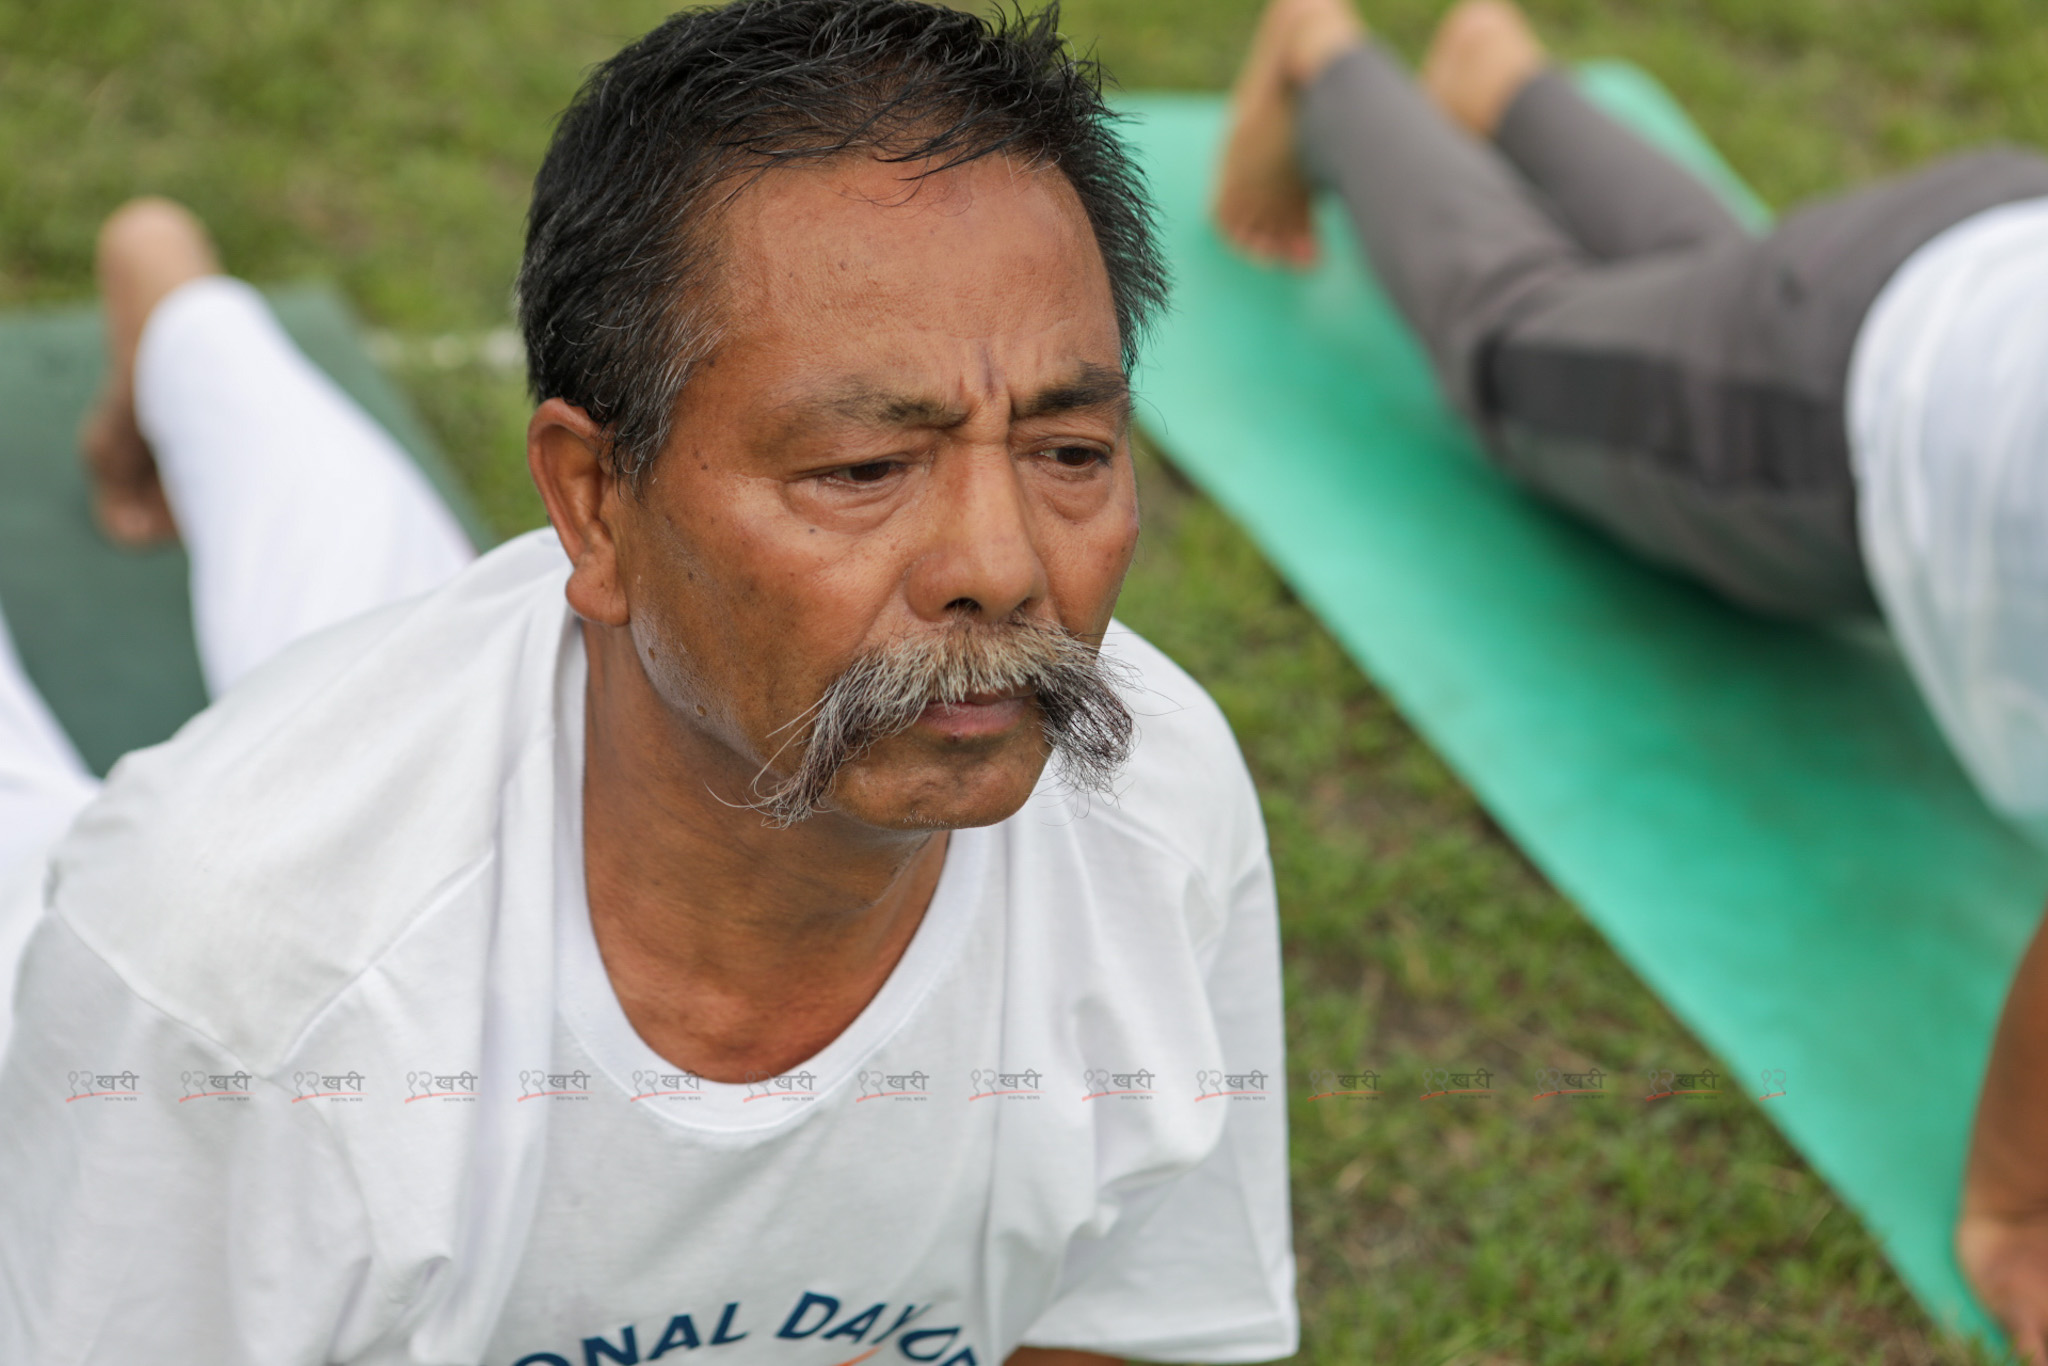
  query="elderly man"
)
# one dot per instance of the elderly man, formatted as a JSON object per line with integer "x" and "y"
{"x": 714, "y": 965}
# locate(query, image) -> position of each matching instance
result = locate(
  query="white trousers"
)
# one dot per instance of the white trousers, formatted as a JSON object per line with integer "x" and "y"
{"x": 296, "y": 509}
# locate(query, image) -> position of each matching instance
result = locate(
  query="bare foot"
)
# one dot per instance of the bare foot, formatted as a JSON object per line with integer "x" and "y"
{"x": 1483, "y": 53}
{"x": 1262, "y": 197}
{"x": 127, "y": 497}
{"x": 147, "y": 248}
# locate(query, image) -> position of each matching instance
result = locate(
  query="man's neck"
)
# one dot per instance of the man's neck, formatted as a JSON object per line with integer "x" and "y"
{"x": 737, "y": 950}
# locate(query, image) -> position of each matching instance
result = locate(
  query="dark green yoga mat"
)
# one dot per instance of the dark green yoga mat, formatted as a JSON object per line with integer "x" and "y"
{"x": 106, "y": 634}
{"x": 1761, "y": 818}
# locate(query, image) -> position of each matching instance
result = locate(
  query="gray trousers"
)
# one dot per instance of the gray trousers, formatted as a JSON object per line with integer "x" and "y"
{"x": 1625, "y": 348}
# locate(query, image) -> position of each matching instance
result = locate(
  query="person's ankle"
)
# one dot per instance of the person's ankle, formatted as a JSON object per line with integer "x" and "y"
{"x": 1484, "y": 54}
{"x": 147, "y": 249}
{"x": 1324, "y": 32}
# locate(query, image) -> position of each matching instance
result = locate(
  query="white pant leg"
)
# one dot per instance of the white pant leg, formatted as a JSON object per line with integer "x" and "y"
{"x": 43, "y": 783}
{"x": 296, "y": 508}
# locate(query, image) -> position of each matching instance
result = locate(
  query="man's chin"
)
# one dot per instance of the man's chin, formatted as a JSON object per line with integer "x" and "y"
{"x": 921, "y": 781}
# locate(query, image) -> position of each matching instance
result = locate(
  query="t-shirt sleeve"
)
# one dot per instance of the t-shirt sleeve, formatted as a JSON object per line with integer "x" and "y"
{"x": 1204, "y": 1271}
{"x": 139, "y": 1225}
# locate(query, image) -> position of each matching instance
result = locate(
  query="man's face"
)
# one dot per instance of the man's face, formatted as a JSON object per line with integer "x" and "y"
{"x": 916, "y": 416}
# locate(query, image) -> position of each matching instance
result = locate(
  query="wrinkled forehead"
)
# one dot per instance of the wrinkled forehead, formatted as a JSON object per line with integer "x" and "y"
{"x": 857, "y": 264}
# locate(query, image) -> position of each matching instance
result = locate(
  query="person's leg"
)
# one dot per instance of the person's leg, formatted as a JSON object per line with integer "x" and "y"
{"x": 297, "y": 510}
{"x": 43, "y": 782}
{"x": 146, "y": 249}
{"x": 1612, "y": 409}
{"x": 1689, "y": 402}
{"x": 1618, "y": 195}
{"x": 1262, "y": 201}
{"x": 1693, "y": 403}
{"x": 43, "y": 786}
{"x": 1456, "y": 236}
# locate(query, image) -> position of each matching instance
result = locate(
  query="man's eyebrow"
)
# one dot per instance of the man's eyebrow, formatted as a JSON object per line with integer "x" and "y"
{"x": 877, "y": 407}
{"x": 1093, "y": 386}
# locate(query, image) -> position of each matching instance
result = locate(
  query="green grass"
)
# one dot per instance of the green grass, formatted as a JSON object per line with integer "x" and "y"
{"x": 388, "y": 144}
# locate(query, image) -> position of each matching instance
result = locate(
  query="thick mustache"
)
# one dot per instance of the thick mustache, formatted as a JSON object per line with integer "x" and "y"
{"x": 884, "y": 691}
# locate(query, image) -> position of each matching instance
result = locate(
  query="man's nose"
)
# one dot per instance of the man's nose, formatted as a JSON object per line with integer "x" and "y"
{"x": 981, "y": 559}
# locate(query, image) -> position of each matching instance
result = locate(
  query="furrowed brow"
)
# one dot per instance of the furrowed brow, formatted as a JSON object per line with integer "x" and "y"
{"x": 1094, "y": 386}
{"x": 879, "y": 408}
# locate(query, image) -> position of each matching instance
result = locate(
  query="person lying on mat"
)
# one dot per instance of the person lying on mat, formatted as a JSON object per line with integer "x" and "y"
{"x": 1843, "y": 413}
{"x": 1837, "y": 415}
{"x": 816, "y": 939}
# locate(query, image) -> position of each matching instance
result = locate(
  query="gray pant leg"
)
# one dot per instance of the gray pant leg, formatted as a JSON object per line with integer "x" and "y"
{"x": 1456, "y": 236}
{"x": 1616, "y": 194}
{"x": 1689, "y": 403}
{"x": 1692, "y": 402}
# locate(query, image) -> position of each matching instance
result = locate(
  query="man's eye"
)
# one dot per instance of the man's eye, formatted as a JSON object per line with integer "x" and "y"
{"x": 1079, "y": 457}
{"x": 871, "y": 472}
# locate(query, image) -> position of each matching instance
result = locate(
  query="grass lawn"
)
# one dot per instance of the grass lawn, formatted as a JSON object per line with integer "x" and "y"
{"x": 388, "y": 144}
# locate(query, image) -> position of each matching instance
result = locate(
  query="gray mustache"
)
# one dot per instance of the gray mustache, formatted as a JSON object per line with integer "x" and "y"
{"x": 1083, "y": 718}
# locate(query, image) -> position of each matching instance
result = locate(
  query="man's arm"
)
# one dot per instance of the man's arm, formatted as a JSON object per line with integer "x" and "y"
{"x": 2002, "y": 1239}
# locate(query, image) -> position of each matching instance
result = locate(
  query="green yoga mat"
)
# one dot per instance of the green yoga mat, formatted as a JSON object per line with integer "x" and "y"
{"x": 106, "y": 634}
{"x": 1762, "y": 819}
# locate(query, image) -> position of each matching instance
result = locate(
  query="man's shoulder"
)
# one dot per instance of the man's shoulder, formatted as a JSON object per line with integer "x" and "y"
{"x": 1186, "y": 787}
{"x": 241, "y": 874}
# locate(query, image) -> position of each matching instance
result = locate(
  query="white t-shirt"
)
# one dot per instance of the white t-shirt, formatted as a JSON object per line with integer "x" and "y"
{"x": 316, "y": 1060}
{"x": 1948, "y": 428}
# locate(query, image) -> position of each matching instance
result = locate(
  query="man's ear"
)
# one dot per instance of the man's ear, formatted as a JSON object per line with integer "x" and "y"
{"x": 565, "y": 454}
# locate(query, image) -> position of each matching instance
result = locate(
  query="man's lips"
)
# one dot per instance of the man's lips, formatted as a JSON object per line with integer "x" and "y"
{"x": 976, "y": 714}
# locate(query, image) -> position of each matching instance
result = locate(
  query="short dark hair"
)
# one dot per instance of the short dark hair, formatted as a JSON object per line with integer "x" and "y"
{"x": 616, "y": 292}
